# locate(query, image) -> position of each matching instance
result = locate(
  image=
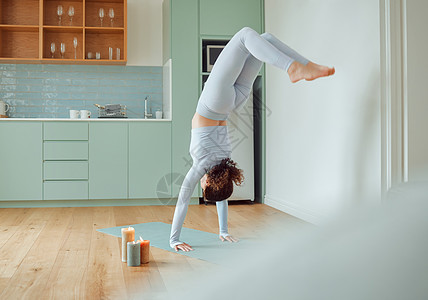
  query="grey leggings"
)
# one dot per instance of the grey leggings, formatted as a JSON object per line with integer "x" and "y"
{"x": 231, "y": 79}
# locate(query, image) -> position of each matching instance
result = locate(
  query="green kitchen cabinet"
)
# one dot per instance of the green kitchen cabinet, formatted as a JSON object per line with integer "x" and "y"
{"x": 185, "y": 83}
{"x": 65, "y": 190}
{"x": 108, "y": 160}
{"x": 65, "y": 150}
{"x": 65, "y": 131}
{"x": 20, "y": 160}
{"x": 226, "y": 17}
{"x": 65, "y": 170}
{"x": 65, "y": 160}
{"x": 149, "y": 160}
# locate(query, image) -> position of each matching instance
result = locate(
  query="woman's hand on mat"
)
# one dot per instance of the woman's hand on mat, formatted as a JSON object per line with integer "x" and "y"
{"x": 228, "y": 238}
{"x": 184, "y": 247}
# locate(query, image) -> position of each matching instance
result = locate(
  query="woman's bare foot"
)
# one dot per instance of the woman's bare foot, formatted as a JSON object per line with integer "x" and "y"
{"x": 311, "y": 71}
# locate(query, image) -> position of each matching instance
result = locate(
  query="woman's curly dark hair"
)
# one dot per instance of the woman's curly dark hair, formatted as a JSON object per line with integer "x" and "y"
{"x": 220, "y": 180}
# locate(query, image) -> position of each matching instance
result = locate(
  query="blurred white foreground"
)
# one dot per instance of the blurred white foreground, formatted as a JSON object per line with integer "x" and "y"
{"x": 380, "y": 253}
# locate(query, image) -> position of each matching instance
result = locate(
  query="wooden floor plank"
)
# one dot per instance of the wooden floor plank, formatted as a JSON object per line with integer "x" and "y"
{"x": 70, "y": 266}
{"x": 6, "y": 232}
{"x": 17, "y": 246}
{"x": 52, "y": 253}
{"x": 4, "y": 282}
{"x": 33, "y": 273}
{"x": 104, "y": 277}
{"x": 14, "y": 216}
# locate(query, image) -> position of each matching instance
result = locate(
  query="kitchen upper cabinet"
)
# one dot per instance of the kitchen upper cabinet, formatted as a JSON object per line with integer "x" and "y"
{"x": 226, "y": 17}
{"x": 108, "y": 160}
{"x": 150, "y": 160}
{"x": 20, "y": 161}
{"x": 29, "y": 27}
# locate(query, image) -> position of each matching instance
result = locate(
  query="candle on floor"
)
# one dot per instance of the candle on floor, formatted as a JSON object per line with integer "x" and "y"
{"x": 133, "y": 257}
{"x": 128, "y": 235}
{"x": 145, "y": 250}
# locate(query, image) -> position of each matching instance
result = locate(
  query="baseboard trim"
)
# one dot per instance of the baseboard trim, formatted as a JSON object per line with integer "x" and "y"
{"x": 91, "y": 203}
{"x": 294, "y": 210}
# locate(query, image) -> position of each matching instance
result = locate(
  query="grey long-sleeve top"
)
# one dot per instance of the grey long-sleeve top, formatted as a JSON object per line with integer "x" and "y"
{"x": 208, "y": 146}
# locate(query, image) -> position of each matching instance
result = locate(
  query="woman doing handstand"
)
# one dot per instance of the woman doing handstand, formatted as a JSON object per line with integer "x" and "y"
{"x": 227, "y": 88}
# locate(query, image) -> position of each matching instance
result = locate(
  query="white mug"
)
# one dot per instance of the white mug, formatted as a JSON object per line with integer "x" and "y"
{"x": 3, "y": 109}
{"x": 158, "y": 114}
{"x": 85, "y": 114}
{"x": 74, "y": 114}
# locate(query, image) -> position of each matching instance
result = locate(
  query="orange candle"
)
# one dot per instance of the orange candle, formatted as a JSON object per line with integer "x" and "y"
{"x": 144, "y": 250}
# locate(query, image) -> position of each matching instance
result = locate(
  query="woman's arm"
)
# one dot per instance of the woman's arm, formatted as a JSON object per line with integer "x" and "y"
{"x": 222, "y": 212}
{"x": 189, "y": 184}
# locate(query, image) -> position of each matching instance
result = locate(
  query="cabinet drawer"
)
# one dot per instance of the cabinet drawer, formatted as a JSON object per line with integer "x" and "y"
{"x": 63, "y": 170}
{"x": 65, "y": 131}
{"x": 65, "y": 190}
{"x": 66, "y": 150}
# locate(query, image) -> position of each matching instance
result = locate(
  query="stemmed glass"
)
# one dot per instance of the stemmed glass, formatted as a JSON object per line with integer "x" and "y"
{"x": 75, "y": 46}
{"x": 52, "y": 49}
{"x": 101, "y": 14}
{"x": 59, "y": 12}
{"x": 71, "y": 14}
{"x": 62, "y": 50}
{"x": 111, "y": 15}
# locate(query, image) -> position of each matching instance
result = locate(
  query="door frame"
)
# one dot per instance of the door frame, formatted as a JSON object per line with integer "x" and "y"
{"x": 394, "y": 112}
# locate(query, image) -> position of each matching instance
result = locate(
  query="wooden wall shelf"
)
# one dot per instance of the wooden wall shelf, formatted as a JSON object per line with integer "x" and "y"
{"x": 28, "y": 27}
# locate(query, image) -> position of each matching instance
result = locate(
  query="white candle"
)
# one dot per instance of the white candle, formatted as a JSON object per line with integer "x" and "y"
{"x": 133, "y": 257}
{"x": 128, "y": 235}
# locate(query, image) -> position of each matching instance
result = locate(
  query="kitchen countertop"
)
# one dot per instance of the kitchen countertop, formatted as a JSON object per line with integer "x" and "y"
{"x": 84, "y": 120}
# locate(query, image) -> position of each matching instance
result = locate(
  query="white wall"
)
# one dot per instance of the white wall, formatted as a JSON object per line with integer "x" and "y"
{"x": 145, "y": 33}
{"x": 323, "y": 137}
{"x": 417, "y": 89}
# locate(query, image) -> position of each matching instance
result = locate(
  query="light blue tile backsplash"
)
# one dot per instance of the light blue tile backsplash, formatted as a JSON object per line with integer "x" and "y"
{"x": 50, "y": 91}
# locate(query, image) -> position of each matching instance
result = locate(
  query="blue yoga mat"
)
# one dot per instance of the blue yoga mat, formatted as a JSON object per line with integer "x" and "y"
{"x": 207, "y": 246}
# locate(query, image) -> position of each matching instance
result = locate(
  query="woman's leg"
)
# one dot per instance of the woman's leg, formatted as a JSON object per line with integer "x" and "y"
{"x": 252, "y": 67}
{"x": 241, "y": 59}
{"x": 284, "y": 48}
{"x": 298, "y": 67}
{"x": 238, "y": 64}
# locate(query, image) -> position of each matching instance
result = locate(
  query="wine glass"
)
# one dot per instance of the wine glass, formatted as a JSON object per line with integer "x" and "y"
{"x": 62, "y": 50}
{"x": 111, "y": 15}
{"x": 71, "y": 14}
{"x": 75, "y": 46}
{"x": 101, "y": 14}
{"x": 52, "y": 49}
{"x": 59, "y": 12}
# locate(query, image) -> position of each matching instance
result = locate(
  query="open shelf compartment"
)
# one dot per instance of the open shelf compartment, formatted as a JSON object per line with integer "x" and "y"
{"x": 66, "y": 36}
{"x": 19, "y": 42}
{"x": 50, "y": 13}
{"x": 92, "y": 9}
{"x": 100, "y": 41}
{"x": 19, "y": 12}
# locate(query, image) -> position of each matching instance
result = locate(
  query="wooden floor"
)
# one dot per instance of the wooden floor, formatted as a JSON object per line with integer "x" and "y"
{"x": 53, "y": 253}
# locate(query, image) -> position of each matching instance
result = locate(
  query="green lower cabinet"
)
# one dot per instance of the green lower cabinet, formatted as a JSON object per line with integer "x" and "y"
{"x": 149, "y": 160}
{"x": 20, "y": 160}
{"x": 65, "y": 150}
{"x": 65, "y": 190}
{"x": 65, "y": 131}
{"x": 108, "y": 160}
{"x": 66, "y": 170}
